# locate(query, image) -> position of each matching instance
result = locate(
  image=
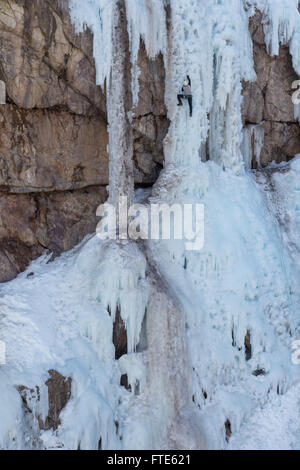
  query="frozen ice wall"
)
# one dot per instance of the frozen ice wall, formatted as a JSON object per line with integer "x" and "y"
{"x": 210, "y": 41}
{"x": 146, "y": 19}
{"x": 238, "y": 332}
{"x": 208, "y": 333}
{"x": 281, "y": 26}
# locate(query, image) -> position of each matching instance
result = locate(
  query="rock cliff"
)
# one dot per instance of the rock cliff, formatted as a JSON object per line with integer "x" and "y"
{"x": 53, "y": 131}
{"x": 53, "y": 128}
{"x": 268, "y": 102}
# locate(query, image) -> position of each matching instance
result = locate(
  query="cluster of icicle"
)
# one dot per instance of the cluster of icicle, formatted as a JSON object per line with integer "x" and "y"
{"x": 207, "y": 332}
{"x": 208, "y": 39}
{"x": 211, "y": 41}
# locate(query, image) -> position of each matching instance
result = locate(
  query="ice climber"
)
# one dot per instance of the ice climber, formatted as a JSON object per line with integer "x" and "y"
{"x": 186, "y": 94}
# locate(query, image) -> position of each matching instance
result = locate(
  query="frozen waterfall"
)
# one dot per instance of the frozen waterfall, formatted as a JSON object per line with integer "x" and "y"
{"x": 209, "y": 333}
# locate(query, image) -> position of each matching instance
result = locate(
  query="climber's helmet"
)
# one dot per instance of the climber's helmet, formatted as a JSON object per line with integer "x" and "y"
{"x": 185, "y": 83}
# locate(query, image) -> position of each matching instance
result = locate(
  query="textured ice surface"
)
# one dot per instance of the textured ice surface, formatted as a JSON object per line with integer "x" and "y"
{"x": 209, "y": 333}
{"x": 245, "y": 279}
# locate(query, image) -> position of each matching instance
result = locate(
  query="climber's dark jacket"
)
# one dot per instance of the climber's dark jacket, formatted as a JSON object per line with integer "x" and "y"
{"x": 187, "y": 90}
{"x": 187, "y": 94}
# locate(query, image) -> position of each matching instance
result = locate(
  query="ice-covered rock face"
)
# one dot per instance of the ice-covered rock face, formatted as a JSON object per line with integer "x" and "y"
{"x": 267, "y": 109}
{"x": 208, "y": 334}
{"x": 53, "y": 151}
{"x": 222, "y": 50}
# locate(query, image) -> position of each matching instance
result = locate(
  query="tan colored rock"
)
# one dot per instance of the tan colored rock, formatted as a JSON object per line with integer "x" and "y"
{"x": 253, "y": 93}
{"x": 41, "y": 62}
{"x": 150, "y": 119}
{"x": 8, "y": 266}
{"x": 66, "y": 217}
{"x": 282, "y": 142}
{"x": 268, "y": 101}
{"x": 31, "y": 223}
{"x": 59, "y": 393}
{"x": 45, "y": 150}
{"x": 270, "y": 98}
{"x": 119, "y": 335}
{"x": 46, "y": 65}
{"x": 256, "y": 29}
{"x": 18, "y": 219}
{"x": 253, "y": 104}
{"x": 278, "y": 94}
{"x": 53, "y": 131}
{"x": 151, "y": 85}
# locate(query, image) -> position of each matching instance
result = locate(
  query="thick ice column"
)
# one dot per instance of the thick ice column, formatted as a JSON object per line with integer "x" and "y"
{"x": 226, "y": 129}
{"x": 121, "y": 179}
{"x": 253, "y": 142}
